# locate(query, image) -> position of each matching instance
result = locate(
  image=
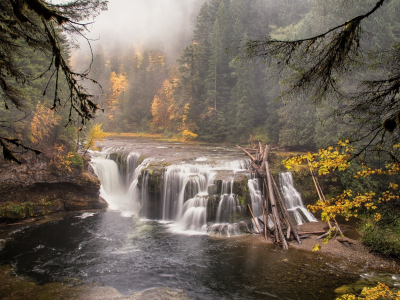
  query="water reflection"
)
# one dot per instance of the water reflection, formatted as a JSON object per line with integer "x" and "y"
{"x": 131, "y": 254}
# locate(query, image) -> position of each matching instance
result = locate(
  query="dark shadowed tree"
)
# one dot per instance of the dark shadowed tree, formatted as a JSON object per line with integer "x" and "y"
{"x": 37, "y": 26}
{"x": 356, "y": 63}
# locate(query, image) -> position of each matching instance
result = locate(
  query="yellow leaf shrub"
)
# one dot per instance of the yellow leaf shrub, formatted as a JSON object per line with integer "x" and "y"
{"x": 381, "y": 291}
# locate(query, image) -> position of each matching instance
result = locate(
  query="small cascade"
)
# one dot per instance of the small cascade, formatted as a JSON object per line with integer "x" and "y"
{"x": 293, "y": 200}
{"x": 194, "y": 213}
{"x": 145, "y": 209}
{"x": 228, "y": 229}
{"x": 119, "y": 187}
{"x": 132, "y": 162}
{"x": 185, "y": 198}
{"x": 229, "y": 205}
{"x": 255, "y": 195}
{"x": 175, "y": 182}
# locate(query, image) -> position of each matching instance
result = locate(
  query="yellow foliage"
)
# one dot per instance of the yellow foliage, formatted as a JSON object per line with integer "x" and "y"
{"x": 156, "y": 60}
{"x": 42, "y": 123}
{"x": 317, "y": 247}
{"x": 346, "y": 204}
{"x": 119, "y": 84}
{"x": 61, "y": 162}
{"x": 188, "y": 135}
{"x": 164, "y": 108}
{"x": 326, "y": 160}
{"x": 381, "y": 291}
{"x": 96, "y": 134}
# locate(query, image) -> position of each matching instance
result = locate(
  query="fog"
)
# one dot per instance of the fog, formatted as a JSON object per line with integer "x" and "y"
{"x": 165, "y": 24}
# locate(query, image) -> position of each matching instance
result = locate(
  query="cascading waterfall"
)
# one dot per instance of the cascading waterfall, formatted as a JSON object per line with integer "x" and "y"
{"x": 194, "y": 213}
{"x": 145, "y": 209}
{"x": 119, "y": 189}
{"x": 293, "y": 200}
{"x": 229, "y": 210}
{"x": 256, "y": 200}
{"x": 255, "y": 195}
{"x": 180, "y": 183}
{"x": 132, "y": 162}
{"x": 184, "y": 197}
{"x": 229, "y": 205}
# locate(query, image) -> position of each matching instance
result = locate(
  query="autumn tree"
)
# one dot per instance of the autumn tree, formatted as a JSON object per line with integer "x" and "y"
{"x": 42, "y": 26}
{"x": 119, "y": 85}
{"x": 95, "y": 134}
{"x": 42, "y": 125}
{"x": 164, "y": 108}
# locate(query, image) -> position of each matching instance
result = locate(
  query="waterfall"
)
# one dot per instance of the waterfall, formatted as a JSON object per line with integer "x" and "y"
{"x": 118, "y": 187}
{"x": 184, "y": 197}
{"x": 229, "y": 205}
{"x": 175, "y": 183}
{"x": 132, "y": 162}
{"x": 144, "y": 197}
{"x": 293, "y": 200}
{"x": 193, "y": 215}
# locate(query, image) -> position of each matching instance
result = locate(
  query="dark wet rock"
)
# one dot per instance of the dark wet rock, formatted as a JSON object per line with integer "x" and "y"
{"x": 212, "y": 189}
{"x": 36, "y": 189}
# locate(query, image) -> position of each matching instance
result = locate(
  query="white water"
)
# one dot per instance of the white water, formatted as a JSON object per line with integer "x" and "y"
{"x": 178, "y": 179}
{"x": 119, "y": 190}
{"x": 228, "y": 204}
{"x": 184, "y": 198}
{"x": 293, "y": 200}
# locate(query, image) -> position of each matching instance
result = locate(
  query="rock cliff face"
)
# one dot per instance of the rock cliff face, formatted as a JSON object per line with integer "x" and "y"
{"x": 37, "y": 189}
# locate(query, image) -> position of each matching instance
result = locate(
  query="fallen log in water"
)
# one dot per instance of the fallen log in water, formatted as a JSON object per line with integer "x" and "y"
{"x": 275, "y": 207}
{"x": 255, "y": 222}
{"x": 285, "y": 212}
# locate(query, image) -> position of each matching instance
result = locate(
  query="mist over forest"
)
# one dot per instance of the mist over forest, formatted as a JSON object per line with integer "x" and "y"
{"x": 171, "y": 68}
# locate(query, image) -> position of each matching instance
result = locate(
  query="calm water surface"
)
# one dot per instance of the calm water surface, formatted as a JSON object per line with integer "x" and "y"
{"x": 131, "y": 255}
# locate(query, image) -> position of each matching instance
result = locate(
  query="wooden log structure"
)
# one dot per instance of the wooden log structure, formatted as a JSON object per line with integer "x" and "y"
{"x": 273, "y": 205}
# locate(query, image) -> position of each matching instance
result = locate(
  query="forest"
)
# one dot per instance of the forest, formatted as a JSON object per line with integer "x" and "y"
{"x": 204, "y": 89}
{"x": 208, "y": 93}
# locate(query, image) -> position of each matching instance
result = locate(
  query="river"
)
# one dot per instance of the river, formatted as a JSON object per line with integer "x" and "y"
{"x": 132, "y": 253}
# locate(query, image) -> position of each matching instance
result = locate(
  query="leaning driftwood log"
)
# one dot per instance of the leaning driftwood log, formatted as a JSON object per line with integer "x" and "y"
{"x": 255, "y": 221}
{"x": 285, "y": 212}
{"x": 274, "y": 207}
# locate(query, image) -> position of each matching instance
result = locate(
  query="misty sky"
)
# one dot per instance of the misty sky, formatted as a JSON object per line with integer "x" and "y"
{"x": 144, "y": 22}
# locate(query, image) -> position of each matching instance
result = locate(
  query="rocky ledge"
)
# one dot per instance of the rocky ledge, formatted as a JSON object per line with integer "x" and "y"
{"x": 36, "y": 189}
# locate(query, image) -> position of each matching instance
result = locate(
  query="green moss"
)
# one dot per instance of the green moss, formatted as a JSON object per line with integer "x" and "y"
{"x": 12, "y": 211}
{"x": 154, "y": 182}
{"x": 383, "y": 239}
{"x": 242, "y": 200}
{"x": 18, "y": 211}
{"x": 76, "y": 160}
